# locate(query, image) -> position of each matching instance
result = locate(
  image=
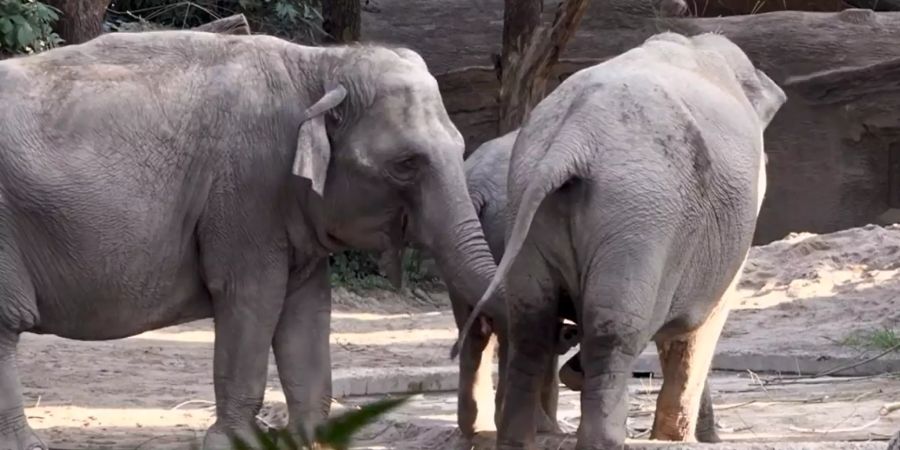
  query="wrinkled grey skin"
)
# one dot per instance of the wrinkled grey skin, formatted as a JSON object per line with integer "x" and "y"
{"x": 486, "y": 172}
{"x": 634, "y": 188}
{"x": 155, "y": 178}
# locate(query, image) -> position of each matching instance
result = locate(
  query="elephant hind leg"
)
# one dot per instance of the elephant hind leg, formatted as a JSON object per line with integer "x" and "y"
{"x": 531, "y": 298}
{"x": 613, "y": 333}
{"x": 706, "y": 422}
{"x": 685, "y": 362}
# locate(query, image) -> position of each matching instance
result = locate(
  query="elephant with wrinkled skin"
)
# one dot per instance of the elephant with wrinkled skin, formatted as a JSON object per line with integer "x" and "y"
{"x": 634, "y": 188}
{"x": 155, "y": 178}
{"x": 486, "y": 171}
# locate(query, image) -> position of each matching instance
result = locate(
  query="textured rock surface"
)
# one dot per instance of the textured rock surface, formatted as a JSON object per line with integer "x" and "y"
{"x": 833, "y": 164}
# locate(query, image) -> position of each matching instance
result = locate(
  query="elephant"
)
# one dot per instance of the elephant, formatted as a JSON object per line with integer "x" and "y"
{"x": 486, "y": 171}
{"x": 634, "y": 188}
{"x": 156, "y": 178}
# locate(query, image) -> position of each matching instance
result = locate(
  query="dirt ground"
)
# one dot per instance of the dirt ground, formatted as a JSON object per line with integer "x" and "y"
{"x": 804, "y": 295}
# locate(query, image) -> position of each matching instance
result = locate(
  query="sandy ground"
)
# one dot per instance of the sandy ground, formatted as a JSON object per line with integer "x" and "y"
{"x": 823, "y": 410}
{"x": 803, "y": 295}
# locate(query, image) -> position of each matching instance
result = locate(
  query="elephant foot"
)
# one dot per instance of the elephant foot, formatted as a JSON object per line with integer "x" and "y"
{"x": 483, "y": 440}
{"x": 708, "y": 436}
{"x": 15, "y": 434}
{"x": 220, "y": 438}
{"x": 546, "y": 425}
{"x": 571, "y": 374}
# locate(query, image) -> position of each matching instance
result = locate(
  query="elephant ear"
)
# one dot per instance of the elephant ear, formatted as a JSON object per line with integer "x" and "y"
{"x": 313, "y": 148}
{"x": 766, "y": 97}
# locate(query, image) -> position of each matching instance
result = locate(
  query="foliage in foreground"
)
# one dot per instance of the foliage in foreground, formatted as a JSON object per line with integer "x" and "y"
{"x": 337, "y": 433}
{"x": 26, "y": 26}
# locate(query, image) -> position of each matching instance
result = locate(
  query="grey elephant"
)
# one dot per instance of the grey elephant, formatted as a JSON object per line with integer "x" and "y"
{"x": 486, "y": 175}
{"x": 156, "y": 178}
{"x": 634, "y": 188}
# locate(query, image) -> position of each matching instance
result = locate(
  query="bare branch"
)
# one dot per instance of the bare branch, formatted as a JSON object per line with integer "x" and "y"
{"x": 524, "y": 77}
{"x": 234, "y": 24}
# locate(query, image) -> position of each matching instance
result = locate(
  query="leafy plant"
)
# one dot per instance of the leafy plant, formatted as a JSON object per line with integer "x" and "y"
{"x": 357, "y": 271}
{"x": 415, "y": 272}
{"x": 336, "y": 433}
{"x": 881, "y": 339}
{"x": 26, "y": 26}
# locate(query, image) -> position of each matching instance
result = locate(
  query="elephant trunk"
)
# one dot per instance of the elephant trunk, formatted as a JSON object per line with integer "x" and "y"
{"x": 449, "y": 227}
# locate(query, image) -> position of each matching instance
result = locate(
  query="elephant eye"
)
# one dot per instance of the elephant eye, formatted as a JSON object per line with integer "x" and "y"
{"x": 405, "y": 169}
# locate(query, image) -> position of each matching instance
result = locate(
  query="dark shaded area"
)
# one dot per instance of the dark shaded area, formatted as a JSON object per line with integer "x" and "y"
{"x": 341, "y": 20}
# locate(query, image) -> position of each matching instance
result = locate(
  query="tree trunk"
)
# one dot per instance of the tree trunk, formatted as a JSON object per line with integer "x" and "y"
{"x": 520, "y": 19}
{"x": 529, "y": 58}
{"x": 341, "y": 20}
{"x": 80, "y": 20}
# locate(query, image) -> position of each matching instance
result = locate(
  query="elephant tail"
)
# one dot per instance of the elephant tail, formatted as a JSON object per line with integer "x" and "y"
{"x": 550, "y": 177}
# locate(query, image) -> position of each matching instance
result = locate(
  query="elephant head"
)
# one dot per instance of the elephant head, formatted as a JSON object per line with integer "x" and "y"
{"x": 386, "y": 163}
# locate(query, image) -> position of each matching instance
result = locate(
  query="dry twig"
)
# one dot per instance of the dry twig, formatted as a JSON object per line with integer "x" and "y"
{"x": 188, "y": 402}
{"x": 889, "y": 408}
{"x": 836, "y": 430}
{"x": 835, "y": 369}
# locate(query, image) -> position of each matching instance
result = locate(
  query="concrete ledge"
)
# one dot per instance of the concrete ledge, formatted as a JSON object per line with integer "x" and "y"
{"x": 782, "y": 364}
{"x": 381, "y": 381}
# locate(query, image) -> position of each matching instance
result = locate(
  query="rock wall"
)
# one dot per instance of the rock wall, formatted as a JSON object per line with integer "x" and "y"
{"x": 832, "y": 164}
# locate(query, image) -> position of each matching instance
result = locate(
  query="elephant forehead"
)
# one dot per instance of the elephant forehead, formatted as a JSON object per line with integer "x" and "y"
{"x": 415, "y": 108}
{"x": 406, "y": 79}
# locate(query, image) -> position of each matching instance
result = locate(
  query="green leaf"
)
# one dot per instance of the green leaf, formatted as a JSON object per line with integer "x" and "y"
{"x": 240, "y": 444}
{"x": 45, "y": 14}
{"x": 17, "y": 19}
{"x": 25, "y": 35}
{"x": 10, "y": 41}
{"x": 6, "y": 25}
{"x": 289, "y": 441}
{"x": 338, "y": 431}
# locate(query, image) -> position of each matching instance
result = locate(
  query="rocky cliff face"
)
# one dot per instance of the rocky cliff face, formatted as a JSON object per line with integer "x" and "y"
{"x": 834, "y": 159}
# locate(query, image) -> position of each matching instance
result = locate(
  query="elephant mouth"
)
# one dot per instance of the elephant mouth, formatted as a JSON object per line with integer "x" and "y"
{"x": 390, "y": 235}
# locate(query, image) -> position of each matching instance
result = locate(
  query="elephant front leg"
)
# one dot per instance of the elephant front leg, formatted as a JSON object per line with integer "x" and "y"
{"x": 475, "y": 394}
{"x": 246, "y": 313}
{"x": 15, "y": 434}
{"x": 302, "y": 350}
